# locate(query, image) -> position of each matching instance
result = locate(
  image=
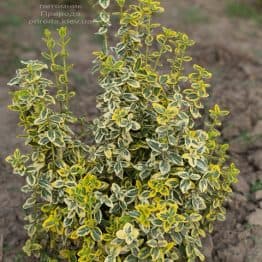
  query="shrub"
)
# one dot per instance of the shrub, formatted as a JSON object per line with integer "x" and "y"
{"x": 57, "y": 160}
{"x": 157, "y": 175}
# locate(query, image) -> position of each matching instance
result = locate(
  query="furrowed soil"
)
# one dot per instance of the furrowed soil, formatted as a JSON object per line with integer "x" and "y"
{"x": 229, "y": 46}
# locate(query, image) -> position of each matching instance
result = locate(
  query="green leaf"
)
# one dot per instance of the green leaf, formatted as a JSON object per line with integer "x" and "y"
{"x": 191, "y": 159}
{"x": 164, "y": 167}
{"x": 83, "y": 231}
{"x": 131, "y": 193}
{"x": 43, "y": 140}
{"x": 30, "y": 202}
{"x": 185, "y": 185}
{"x": 163, "y": 79}
{"x": 130, "y": 258}
{"x": 102, "y": 30}
{"x": 56, "y": 119}
{"x": 172, "y": 182}
{"x": 121, "y": 234}
{"x": 44, "y": 113}
{"x": 156, "y": 253}
{"x": 199, "y": 254}
{"x": 46, "y": 190}
{"x": 105, "y": 17}
{"x": 162, "y": 130}
{"x": 221, "y": 217}
{"x": 68, "y": 222}
{"x": 31, "y": 179}
{"x": 130, "y": 97}
{"x": 152, "y": 243}
{"x": 46, "y": 194}
{"x": 118, "y": 169}
{"x": 159, "y": 108}
{"x": 183, "y": 174}
{"x": 198, "y": 203}
{"x": 99, "y": 135}
{"x": 30, "y": 246}
{"x": 58, "y": 184}
{"x": 172, "y": 140}
{"x": 161, "y": 39}
{"x": 144, "y": 174}
{"x": 51, "y": 134}
{"x": 137, "y": 65}
{"x": 125, "y": 154}
{"x": 203, "y": 185}
{"x": 135, "y": 126}
{"x": 201, "y": 165}
{"x": 49, "y": 222}
{"x": 133, "y": 83}
{"x": 162, "y": 243}
{"x": 96, "y": 234}
{"x": 154, "y": 145}
{"x": 104, "y": 3}
{"x": 134, "y": 213}
{"x": 98, "y": 216}
{"x": 195, "y": 176}
{"x": 59, "y": 142}
{"x": 110, "y": 259}
{"x": 144, "y": 253}
{"x": 147, "y": 92}
{"x": 176, "y": 159}
{"x": 195, "y": 217}
{"x": 14, "y": 81}
{"x": 121, "y": 3}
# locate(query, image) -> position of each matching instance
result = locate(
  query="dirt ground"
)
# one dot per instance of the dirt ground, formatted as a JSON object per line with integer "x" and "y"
{"x": 229, "y": 46}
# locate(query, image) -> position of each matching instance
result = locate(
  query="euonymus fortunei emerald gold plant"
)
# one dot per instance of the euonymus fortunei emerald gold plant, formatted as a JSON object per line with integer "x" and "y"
{"x": 154, "y": 180}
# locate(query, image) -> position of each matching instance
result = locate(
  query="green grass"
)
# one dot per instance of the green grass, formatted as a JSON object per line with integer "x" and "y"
{"x": 193, "y": 15}
{"x": 20, "y": 257}
{"x": 10, "y": 20}
{"x": 256, "y": 186}
{"x": 244, "y": 11}
{"x": 245, "y": 136}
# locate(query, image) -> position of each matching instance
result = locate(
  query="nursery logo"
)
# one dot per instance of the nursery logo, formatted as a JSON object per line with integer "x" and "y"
{"x": 60, "y": 14}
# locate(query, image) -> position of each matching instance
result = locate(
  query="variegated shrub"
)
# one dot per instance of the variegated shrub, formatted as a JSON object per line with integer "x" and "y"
{"x": 155, "y": 179}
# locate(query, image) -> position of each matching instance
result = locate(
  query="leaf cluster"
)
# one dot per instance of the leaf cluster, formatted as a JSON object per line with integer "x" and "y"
{"x": 154, "y": 181}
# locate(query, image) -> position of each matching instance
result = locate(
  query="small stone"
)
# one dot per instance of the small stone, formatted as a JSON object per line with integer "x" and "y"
{"x": 230, "y": 131}
{"x": 234, "y": 253}
{"x": 257, "y": 131}
{"x": 238, "y": 226}
{"x": 255, "y": 218}
{"x": 258, "y": 195}
{"x": 260, "y": 204}
{"x": 250, "y": 207}
{"x": 257, "y": 159}
{"x": 238, "y": 146}
{"x": 254, "y": 254}
{"x": 259, "y": 175}
{"x": 239, "y": 198}
{"x": 242, "y": 185}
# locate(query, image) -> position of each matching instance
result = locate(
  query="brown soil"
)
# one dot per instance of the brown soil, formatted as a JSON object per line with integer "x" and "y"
{"x": 229, "y": 47}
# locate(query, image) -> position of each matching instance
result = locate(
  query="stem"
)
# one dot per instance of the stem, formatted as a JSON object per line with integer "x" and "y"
{"x": 58, "y": 86}
{"x": 148, "y": 32}
{"x": 105, "y": 43}
{"x": 53, "y": 153}
{"x": 66, "y": 81}
{"x": 158, "y": 59}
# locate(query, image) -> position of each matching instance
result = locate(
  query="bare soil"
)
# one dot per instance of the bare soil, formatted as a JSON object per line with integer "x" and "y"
{"x": 229, "y": 47}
